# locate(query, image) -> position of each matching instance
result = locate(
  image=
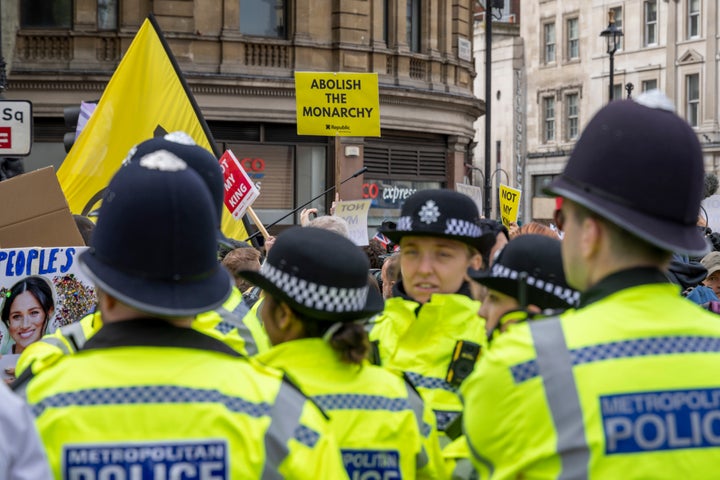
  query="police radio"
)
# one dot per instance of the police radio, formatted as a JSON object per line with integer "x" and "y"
{"x": 463, "y": 361}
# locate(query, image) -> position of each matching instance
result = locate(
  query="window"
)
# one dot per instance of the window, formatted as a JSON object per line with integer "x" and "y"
{"x": 648, "y": 85}
{"x": 107, "y": 14}
{"x": 549, "y": 41}
{"x": 549, "y": 119}
{"x": 413, "y": 24}
{"x": 540, "y": 183}
{"x": 264, "y": 18}
{"x": 617, "y": 91}
{"x": 46, "y": 13}
{"x": 386, "y": 22}
{"x": 693, "y": 27}
{"x": 573, "y": 39}
{"x": 618, "y": 23}
{"x": 571, "y": 101}
{"x": 650, "y": 23}
{"x": 692, "y": 93}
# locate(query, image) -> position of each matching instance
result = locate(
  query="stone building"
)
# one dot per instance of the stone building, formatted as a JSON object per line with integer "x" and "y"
{"x": 239, "y": 58}
{"x": 553, "y": 71}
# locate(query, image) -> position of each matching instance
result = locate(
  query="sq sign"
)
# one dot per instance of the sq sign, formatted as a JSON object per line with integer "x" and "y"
{"x": 16, "y": 124}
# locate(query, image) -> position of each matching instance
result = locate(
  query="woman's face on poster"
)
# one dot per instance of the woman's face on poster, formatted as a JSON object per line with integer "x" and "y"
{"x": 27, "y": 320}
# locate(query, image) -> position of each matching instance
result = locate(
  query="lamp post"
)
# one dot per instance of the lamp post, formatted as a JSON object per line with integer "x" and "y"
{"x": 612, "y": 36}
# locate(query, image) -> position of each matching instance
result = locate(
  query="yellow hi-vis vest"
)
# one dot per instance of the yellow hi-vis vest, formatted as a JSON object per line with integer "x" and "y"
{"x": 144, "y": 399}
{"x": 625, "y": 387}
{"x": 232, "y": 323}
{"x": 379, "y": 420}
{"x": 421, "y": 344}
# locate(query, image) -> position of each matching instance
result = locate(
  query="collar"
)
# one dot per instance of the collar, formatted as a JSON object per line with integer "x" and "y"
{"x": 153, "y": 332}
{"x": 399, "y": 291}
{"x": 621, "y": 280}
{"x": 303, "y": 352}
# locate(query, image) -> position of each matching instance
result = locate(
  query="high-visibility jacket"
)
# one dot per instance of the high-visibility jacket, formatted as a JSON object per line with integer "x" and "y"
{"x": 145, "y": 399}
{"x": 233, "y": 323}
{"x": 626, "y": 386}
{"x": 420, "y": 340}
{"x": 379, "y": 420}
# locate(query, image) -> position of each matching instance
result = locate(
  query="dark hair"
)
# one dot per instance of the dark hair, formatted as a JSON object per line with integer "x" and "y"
{"x": 38, "y": 287}
{"x": 375, "y": 252}
{"x": 233, "y": 244}
{"x": 350, "y": 341}
{"x": 85, "y": 226}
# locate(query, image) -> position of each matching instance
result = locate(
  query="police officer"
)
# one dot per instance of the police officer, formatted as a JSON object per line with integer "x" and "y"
{"x": 233, "y": 322}
{"x": 626, "y": 386}
{"x": 147, "y": 396}
{"x": 313, "y": 310}
{"x": 432, "y": 317}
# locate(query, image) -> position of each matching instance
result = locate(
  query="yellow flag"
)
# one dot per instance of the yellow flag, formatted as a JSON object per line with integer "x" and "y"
{"x": 146, "y": 93}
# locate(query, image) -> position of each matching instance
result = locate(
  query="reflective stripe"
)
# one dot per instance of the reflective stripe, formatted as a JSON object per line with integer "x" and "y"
{"x": 75, "y": 334}
{"x": 639, "y": 347}
{"x": 418, "y": 408}
{"x": 234, "y": 319}
{"x": 556, "y": 369}
{"x": 284, "y": 425}
{"x": 138, "y": 395}
{"x": 430, "y": 382}
{"x": 57, "y": 343}
{"x": 443, "y": 418}
{"x": 355, "y": 401}
{"x": 464, "y": 470}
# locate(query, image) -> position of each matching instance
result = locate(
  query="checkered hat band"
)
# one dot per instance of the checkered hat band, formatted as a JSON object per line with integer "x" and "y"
{"x": 453, "y": 226}
{"x": 315, "y": 296}
{"x": 569, "y": 295}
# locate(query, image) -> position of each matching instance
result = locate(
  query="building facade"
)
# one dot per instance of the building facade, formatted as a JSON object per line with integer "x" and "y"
{"x": 561, "y": 70}
{"x": 239, "y": 58}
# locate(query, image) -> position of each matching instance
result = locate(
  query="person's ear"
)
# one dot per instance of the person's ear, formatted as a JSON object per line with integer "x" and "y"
{"x": 591, "y": 237}
{"x": 476, "y": 261}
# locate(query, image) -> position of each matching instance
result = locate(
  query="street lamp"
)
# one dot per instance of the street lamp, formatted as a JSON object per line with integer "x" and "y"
{"x": 612, "y": 36}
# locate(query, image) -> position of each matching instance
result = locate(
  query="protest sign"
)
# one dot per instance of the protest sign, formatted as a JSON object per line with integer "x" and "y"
{"x": 44, "y": 289}
{"x": 473, "y": 192}
{"x": 355, "y": 213}
{"x": 343, "y": 104}
{"x": 509, "y": 204}
{"x": 240, "y": 191}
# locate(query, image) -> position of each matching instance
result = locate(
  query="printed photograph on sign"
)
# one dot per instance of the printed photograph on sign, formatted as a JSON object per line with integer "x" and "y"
{"x": 42, "y": 289}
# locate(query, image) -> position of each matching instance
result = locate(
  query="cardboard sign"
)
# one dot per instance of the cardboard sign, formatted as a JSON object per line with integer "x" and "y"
{"x": 343, "y": 104}
{"x": 355, "y": 213}
{"x": 39, "y": 215}
{"x": 473, "y": 192}
{"x": 509, "y": 204}
{"x": 54, "y": 271}
{"x": 240, "y": 191}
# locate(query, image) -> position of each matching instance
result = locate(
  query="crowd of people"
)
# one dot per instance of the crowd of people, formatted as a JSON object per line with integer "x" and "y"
{"x": 469, "y": 350}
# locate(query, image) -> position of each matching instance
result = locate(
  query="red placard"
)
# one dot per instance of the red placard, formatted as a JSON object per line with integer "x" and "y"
{"x": 240, "y": 191}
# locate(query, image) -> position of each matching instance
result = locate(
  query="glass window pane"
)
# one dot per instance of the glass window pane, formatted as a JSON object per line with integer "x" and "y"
{"x": 413, "y": 24}
{"x": 264, "y": 18}
{"x": 618, "y": 24}
{"x": 107, "y": 14}
{"x": 46, "y": 13}
{"x": 648, "y": 85}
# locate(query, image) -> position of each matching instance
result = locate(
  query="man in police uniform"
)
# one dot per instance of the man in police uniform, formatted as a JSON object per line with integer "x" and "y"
{"x": 148, "y": 396}
{"x": 626, "y": 386}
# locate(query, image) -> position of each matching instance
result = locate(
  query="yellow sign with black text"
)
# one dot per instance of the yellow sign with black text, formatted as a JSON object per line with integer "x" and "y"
{"x": 337, "y": 104}
{"x": 509, "y": 204}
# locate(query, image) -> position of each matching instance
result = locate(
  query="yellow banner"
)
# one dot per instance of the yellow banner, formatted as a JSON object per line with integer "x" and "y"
{"x": 509, "y": 204}
{"x": 145, "y": 94}
{"x": 342, "y": 104}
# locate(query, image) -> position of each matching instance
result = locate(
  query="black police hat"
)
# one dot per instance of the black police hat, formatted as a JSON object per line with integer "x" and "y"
{"x": 197, "y": 158}
{"x": 320, "y": 274}
{"x": 533, "y": 263}
{"x": 640, "y": 166}
{"x": 441, "y": 213}
{"x": 154, "y": 247}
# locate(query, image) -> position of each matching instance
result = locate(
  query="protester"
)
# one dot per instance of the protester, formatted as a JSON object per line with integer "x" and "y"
{"x": 22, "y": 456}
{"x": 431, "y": 314}
{"x": 85, "y": 226}
{"x": 389, "y": 274}
{"x": 234, "y": 322}
{"x": 622, "y": 387}
{"x": 535, "y": 228}
{"x": 501, "y": 237}
{"x": 146, "y": 381}
{"x": 711, "y": 262}
{"x": 319, "y": 343}
{"x": 241, "y": 259}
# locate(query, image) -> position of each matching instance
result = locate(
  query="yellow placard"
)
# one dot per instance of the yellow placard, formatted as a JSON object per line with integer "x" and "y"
{"x": 144, "y": 95}
{"x": 509, "y": 204}
{"x": 337, "y": 104}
